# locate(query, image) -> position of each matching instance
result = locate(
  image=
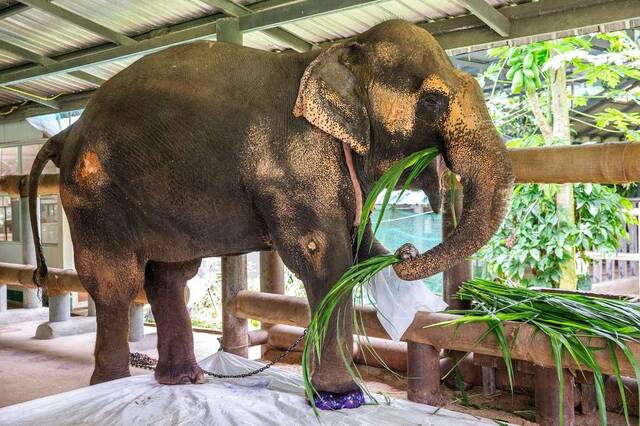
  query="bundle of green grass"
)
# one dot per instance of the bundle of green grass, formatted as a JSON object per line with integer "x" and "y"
{"x": 569, "y": 320}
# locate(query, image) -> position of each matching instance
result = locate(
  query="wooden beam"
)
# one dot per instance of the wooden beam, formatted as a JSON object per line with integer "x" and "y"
{"x": 525, "y": 341}
{"x": 59, "y": 281}
{"x": 590, "y": 163}
{"x": 233, "y": 9}
{"x": 494, "y": 19}
{"x": 74, "y": 18}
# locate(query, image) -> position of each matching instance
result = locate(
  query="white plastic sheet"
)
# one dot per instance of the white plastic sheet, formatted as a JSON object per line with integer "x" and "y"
{"x": 274, "y": 397}
{"x": 397, "y": 301}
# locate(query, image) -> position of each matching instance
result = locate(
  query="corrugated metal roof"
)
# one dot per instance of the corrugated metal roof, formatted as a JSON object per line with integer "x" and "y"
{"x": 47, "y": 35}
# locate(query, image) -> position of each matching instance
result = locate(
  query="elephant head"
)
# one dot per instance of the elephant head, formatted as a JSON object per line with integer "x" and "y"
{"x": 392, "y": 91}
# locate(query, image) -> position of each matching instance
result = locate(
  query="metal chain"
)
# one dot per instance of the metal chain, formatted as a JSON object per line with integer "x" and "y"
{"x": 136, "y": 359}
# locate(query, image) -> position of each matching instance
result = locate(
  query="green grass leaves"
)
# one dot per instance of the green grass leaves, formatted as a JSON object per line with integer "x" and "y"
{"x": 360, "y": 273}
{"x": 569, "y": 320}
{"x": 415, "y": 164}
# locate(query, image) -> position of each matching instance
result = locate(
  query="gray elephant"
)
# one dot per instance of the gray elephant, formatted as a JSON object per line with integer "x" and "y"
{"x": 212, "y": 149}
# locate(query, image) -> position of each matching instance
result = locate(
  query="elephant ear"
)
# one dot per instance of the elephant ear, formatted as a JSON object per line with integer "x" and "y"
{"x": 329, "y": 98}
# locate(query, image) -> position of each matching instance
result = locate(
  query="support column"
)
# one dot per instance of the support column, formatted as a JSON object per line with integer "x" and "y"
{"x": 235, "y": 338}
{"x": 271, "y": 280}
{"x": 30, "y": 297}
{"x": 136, "y": 322}
{"x": 3, "y": 297}
{"x": 547, "y": 390}
{"x": 455, "y": 276}
{"x": 60, "y": 307}
{"x": 235, "y": 331}
{"x": 423, "y": 374}
{"x": 91, "y": 307}
{"x": 60, "y": 321}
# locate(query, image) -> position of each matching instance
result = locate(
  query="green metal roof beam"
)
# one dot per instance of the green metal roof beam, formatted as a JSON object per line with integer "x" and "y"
{"x": 12, "y": 10}
{"x": 46, "y": 102}
{"x": 542, "y": 17}
{"x": 87, "y": 24}
{"x": 490, "y": 16}
{"x": 45, "y": 60}
{"x": 233, "y": 9}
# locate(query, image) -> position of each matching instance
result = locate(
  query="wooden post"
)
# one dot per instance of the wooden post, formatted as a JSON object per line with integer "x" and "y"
{"x": 547, "y": 389}
{"x": 423, "y": 374}
{"x": 271, "y": 280}
{"x": 488, "y": 380}
{"x": 235, "y": 337}
{"x": 455, "y": 276}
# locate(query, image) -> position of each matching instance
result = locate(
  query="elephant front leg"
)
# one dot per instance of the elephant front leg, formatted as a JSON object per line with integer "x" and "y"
{"x": 320, "y": 258}
{"x": 164, "y": 285}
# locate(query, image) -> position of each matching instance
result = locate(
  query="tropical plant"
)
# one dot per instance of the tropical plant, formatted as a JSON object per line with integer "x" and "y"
{"x": 550, "y": 226}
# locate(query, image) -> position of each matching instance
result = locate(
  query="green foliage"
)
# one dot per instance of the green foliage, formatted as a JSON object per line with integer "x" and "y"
{"x": 534, "y": 240}
{"x": 628, "y": 122}
{"x": 569, "y": 320}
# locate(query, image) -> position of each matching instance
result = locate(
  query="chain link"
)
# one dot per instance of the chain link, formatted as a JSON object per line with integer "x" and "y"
{"x": 136, "y": 359}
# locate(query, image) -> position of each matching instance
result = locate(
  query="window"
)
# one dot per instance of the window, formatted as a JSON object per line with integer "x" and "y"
{"x": 49, "y": 219}
{"x": 9, "y": 219}
{"x": 29, "y": 153}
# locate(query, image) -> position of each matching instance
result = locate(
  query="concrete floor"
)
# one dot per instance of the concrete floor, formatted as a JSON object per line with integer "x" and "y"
{"x": 31, "y": 368}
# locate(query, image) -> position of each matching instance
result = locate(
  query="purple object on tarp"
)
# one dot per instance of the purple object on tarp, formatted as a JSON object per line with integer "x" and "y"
{"x": 338, "y": 401}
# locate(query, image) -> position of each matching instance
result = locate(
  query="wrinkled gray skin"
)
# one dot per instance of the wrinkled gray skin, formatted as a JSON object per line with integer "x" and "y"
{"x": 211, "y": 149}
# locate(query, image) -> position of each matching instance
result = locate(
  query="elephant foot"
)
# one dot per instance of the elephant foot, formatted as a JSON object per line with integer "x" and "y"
{"x": 180, "y": 374}
{"x": 101, "y": 376}
{"x": 338, "y": 401}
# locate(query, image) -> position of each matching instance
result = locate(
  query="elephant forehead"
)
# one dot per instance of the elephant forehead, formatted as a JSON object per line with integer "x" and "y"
{"x": 395, "y": 108}
{"x": 388, "y": 53}
{"x": 434, "y": 82}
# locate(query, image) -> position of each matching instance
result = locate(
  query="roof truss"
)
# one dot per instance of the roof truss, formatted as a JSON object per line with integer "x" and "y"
{"x": 485, "y": 27}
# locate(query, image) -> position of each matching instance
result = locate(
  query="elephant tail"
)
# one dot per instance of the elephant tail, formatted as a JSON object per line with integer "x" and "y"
{"x": 50, "y": 151}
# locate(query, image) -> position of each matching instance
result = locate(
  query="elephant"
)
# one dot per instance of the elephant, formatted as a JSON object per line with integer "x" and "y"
{"x": 213, "y": 149}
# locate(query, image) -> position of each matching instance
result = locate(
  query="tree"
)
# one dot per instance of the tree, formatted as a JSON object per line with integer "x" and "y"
{"x": 550, "y": 226}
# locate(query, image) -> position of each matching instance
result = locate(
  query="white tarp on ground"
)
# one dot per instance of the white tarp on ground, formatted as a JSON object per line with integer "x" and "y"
{"x": 274, "y": 397}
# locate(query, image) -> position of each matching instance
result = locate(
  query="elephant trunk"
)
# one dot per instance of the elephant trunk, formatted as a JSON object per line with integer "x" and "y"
{"x": 475, "y": 151}
{"x": 482, "y": 213}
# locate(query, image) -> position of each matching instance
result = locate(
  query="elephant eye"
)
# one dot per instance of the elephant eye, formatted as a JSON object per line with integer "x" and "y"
{"x": 431, "y": 100}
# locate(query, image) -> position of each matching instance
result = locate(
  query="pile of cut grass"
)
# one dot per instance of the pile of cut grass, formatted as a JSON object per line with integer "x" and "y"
{"x": 568, "y": 319}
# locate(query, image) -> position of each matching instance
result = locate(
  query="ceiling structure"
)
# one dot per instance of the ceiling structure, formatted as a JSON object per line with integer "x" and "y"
{"x": 53, "y": 54}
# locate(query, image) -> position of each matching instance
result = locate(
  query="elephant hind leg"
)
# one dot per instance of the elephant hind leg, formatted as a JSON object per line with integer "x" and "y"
{"x": 113, "y": 281}
{"x": 164, "y": 285}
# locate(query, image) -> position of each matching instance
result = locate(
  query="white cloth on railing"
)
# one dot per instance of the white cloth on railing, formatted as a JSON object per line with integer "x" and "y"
{"x": 398, "y": 301}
